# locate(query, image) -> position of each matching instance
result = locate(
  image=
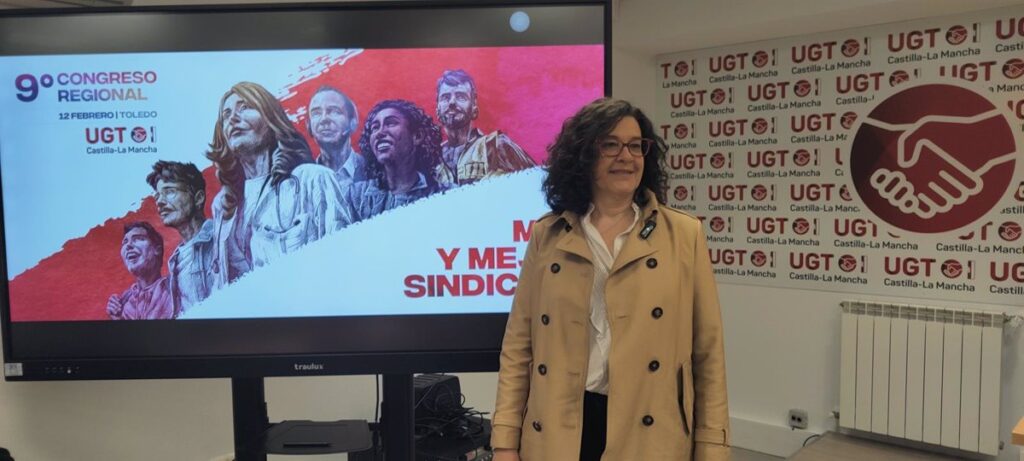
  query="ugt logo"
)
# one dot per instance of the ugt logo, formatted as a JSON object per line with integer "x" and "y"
{"x": 933, "y": 158}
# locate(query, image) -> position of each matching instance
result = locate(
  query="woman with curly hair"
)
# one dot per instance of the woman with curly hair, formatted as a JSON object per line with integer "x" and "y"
{"x": 273, "y": 198}
{"x": 614, "y": 346}
{"x": 402, "y": 148}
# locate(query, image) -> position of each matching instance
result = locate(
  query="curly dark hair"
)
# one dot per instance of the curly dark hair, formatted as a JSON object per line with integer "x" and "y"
{"x": 185, "y": 173}
{"x": 428, "y": 152}
{"x": 572, "y": 156}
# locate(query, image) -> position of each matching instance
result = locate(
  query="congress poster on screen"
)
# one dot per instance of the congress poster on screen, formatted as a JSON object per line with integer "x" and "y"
{"x": 278, "y": 183}
{"x": 883, "y": 160}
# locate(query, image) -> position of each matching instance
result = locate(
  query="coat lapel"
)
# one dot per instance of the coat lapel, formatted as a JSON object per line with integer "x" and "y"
{"x": 573, "y": 241}
{"x": 635, "y": 247}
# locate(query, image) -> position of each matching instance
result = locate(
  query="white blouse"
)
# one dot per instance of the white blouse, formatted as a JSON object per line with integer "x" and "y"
{"x": 600, "y": 333}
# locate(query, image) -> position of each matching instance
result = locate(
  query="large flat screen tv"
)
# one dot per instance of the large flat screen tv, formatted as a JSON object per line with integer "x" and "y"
{"x": 271, "y": 191}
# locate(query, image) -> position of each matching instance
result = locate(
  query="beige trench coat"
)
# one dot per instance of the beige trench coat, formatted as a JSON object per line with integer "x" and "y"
{"x": 666, "y": 365}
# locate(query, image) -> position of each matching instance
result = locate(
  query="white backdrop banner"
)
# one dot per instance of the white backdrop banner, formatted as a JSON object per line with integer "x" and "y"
{"x": 884, "y": 160}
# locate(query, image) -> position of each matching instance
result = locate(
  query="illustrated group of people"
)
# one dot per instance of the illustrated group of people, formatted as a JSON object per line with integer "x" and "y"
{"x": 276, "y": 197}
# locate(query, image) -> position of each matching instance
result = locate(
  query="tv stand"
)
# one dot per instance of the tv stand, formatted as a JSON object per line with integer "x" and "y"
{"x": 255, "y": 436}
{"x": 249, "y": 408}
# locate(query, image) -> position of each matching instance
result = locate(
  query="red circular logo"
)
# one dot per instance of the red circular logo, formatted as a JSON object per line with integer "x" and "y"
{"x": 760, "y": 126}
{"x": 138, "y": 134}
{"x": 951, "y": 268}
{"x": 717, "y": 224}
{"x": 717, "y": 160}
{"x": 759, "y": 258}
{"x": 848, "y": 119}
{"x": 956, "y": 35}
{"x": 761, "y": 58}
{"x": 682, "y": 68}
{"x": 1010, "y": 231}
{"x": 718, "y": 96}
{"x": 850, "y": 48}
{"x": 682, "y": 131}
{"x": 898, "y": 77}
{"x": 801, "y": 226}
{"x": 759, "y": 192}
{"x": 933, "y": 158}
{"x": 844, "y": 193}
{"x": 1013, "y": 68}
{"x": 802, "y": 157}
{"x": 848, "y": 263}
{"x": 802, "y": 88}
{"x": 681, "y": 193}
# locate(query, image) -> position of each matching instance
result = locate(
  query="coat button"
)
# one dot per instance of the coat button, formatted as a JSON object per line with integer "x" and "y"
{"x": 536, "y": 426}
{"x": 648, "y": 421}
{"x": 555, "y": 268}
{"x": 654, "y": 365}
{"x": 545, "y": 319}
{"x": 656, "y": 312}
{"x": 652, "y": 263}
{"x": 542, "y": 369}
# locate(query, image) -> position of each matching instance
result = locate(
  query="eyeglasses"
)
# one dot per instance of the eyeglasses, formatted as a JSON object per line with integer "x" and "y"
{"x": 612, "y": 147}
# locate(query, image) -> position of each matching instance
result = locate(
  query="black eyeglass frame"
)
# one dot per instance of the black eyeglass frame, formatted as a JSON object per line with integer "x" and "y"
{"x": 645, "y": 146}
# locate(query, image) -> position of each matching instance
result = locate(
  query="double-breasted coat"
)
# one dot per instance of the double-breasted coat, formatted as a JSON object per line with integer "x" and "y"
{"x": 666, "y": 364}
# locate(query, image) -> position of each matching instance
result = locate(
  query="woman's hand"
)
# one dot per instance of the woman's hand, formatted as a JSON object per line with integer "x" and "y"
{"x": 505, "y": 454}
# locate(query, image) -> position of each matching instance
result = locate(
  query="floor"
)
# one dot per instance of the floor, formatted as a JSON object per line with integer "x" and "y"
{"x": 841, "y": 447}
{"x": 834, "y": 447}
{"x": 739, "y": 454}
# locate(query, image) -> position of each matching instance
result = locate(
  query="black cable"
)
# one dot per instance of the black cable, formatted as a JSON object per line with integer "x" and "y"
{"x": 378, "y": 440}
{"x": 809, "y": 439}
{"x": 376, "y": 409}
{"x": 428, "y": 391}
{"x": 445, "y": 416}
{"x": 425, "y": 395}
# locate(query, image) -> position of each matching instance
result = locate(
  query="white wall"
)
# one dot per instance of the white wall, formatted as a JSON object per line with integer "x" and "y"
{"x": 782, "y": 345}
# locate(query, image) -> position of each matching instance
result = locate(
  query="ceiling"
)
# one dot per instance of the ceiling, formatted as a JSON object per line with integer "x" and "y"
{"x": 651, "y": 27}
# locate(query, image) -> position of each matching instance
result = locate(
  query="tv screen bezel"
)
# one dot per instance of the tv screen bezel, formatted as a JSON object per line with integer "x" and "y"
{"x": 460, "y": 342}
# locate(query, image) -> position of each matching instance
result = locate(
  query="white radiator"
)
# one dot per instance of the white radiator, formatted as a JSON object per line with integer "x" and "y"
{"x": 925, "y": 374}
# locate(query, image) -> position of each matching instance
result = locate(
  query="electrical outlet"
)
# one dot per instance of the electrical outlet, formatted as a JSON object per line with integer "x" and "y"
{"x": 797, "y": 419}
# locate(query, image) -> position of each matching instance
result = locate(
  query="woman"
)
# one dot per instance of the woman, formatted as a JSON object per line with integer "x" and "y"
{"x": 273, "y": 198}
{"x": 402, "y": 148}
{"x": 614, "y": 344}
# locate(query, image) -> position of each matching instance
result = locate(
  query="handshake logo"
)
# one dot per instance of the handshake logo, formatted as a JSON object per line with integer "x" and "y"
{"x": 933, "y": 158}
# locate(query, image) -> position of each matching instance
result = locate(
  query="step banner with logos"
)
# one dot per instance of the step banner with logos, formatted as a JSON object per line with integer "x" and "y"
{"x": 884, "y": 160}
